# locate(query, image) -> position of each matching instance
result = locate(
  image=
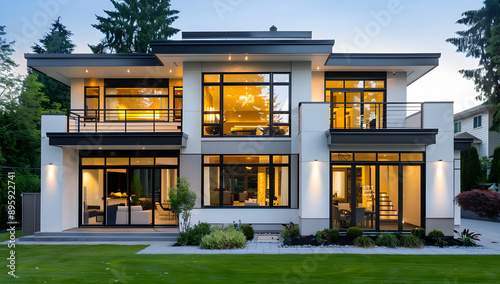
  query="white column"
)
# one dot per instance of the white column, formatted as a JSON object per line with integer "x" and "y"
{"x": 314, "y": 165}
{"x": 439, "y": 168}
{"x": 458, "y": 214}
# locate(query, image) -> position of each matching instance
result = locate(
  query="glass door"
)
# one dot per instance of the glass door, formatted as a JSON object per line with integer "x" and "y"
{"x": 177, "y": 103}
{"x": 341, "y": 184}
{"x": 364, "y": 215}
{"x": 92, "y": 197}
{"x": 117, "y": 197}
{"x": 141, "y": 196}
{"x": 388, "y": 198}
{"x": 164, "y": 179}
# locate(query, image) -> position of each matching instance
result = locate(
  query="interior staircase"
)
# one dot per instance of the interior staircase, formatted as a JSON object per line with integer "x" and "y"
{"x": 387, "y": 210}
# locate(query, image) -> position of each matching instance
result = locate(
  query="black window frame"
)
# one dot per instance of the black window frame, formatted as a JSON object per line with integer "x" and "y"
{"x": 272, "y": 112}
{"x": 457, "y": 127}
{"x": 271, "y": 166}
{"x": 356, "y": 76}
{"x": 87, "y": 116}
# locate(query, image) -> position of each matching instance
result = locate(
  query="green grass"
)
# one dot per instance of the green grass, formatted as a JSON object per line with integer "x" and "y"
{"x": 6, "y": 236}
{"x": 107, "y": 263}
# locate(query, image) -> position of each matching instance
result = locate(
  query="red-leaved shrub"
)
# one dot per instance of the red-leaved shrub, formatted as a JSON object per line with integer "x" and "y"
{"x": 484, "y": 203}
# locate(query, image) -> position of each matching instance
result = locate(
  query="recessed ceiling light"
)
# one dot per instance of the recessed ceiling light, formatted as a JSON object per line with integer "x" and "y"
{"x": 128, "y": 70}
{"x": 229, "y": 58}
{"x": 143, "y": 148}
{"x": 86, "y": 70}
{"x": 246, "y": 58}
{"x": 100, "y": 148}
{"x": 170, "y": 70}
{"x": 317, "y": 68}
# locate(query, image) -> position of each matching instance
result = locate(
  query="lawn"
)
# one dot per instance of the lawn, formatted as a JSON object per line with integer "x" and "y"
{"x": 109, "y": 263}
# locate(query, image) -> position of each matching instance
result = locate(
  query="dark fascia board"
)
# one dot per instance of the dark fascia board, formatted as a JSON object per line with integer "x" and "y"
{"x": 68, "y": 60}
{"x": 242, "y": 46}
{"x": 383, "y": 59}
{"x": 463, "y": 144}
{"x": 121, "y": 139}
{"x": 382, "y": 136}
{"x": 247, "y": 34}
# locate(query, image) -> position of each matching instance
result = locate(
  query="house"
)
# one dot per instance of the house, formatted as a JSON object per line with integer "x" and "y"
{"x": 475, "y": 123}
{"x": 269, "y": 127}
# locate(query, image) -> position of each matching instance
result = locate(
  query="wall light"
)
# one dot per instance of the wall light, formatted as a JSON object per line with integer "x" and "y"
{"x": 315, "y": 160}
{"x": 393, "y": 73}
{"x": 440, "y": 160}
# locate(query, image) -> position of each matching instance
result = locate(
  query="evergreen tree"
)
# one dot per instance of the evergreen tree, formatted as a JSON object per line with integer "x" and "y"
{"x": 470, "y": 173}
{"x": 495, "y": 166}
{"x": 133, "y": 24}
{"x": 9, "y": 83}
{"x": 482, "y": 40}
{"x": 57, "y": 40}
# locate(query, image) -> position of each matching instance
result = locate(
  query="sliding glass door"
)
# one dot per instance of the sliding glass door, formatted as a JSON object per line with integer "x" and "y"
{"x": 380, "y": 191}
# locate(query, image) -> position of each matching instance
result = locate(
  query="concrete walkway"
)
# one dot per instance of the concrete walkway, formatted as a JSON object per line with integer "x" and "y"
{"x": 490, "y": 232}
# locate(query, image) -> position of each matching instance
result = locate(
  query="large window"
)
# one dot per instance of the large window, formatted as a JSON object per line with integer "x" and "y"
{"x": 377, "y": 191}
{"x": 356, "y": 100}
{"x": 246, "y": 181}
{"x": 136, "y": 103}
{"x": 237, "y": 104}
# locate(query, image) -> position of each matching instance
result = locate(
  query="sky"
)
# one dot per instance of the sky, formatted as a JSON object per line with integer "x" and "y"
{"x": 379, "y": 26}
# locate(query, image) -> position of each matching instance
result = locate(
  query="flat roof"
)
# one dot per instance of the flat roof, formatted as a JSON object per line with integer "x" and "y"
{"x": 247, "y": 34}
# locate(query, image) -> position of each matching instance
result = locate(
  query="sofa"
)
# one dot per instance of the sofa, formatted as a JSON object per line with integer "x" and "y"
{"x": 138, "y": 216}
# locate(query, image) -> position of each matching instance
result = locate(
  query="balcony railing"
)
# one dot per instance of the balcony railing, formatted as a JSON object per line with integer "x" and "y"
{"x": 124, "y": 120}
{"x": 375, "y": 115}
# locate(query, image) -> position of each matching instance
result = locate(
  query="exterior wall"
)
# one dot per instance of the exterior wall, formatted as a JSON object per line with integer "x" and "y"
{"x": 440, "y": 168}
{"x": 314, "y": 168}
{"x": 456, "y": 181}
{"x": 318, "y": 87}
{"x": 396, "y": 92}
{"x": 480, "y": 132}
{"x": 59, "y": 182}
{"x": 77, "y": 95}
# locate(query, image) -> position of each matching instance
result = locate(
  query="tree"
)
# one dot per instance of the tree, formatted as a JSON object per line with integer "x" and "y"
{"x": 9, "y": 83}
{"x": 133, "y": 24}
{"x": 470, "y": 173}
{"x": 182, "y": 201}
{"x": 57, "y": 40}
{"x": 482, "y": 40}
{"x": 495, "y": 166}
{"x": 484, "y": 203}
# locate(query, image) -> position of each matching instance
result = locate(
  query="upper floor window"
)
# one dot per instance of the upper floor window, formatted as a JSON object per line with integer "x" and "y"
{"x": 356, "y": 100}
{"x": 136, "y": 99}
{"x": 458, "y": 126}
{"x": 477, "y": 121}
{"x": 250, "y": 104}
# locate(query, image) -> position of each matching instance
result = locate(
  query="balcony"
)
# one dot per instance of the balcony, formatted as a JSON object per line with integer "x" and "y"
{"x": 379, "y": 123}
{"x": 129, "y": 128}
{"x": 124, "y": 120}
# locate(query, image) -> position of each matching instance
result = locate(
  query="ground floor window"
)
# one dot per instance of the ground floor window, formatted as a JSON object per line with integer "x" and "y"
{"x": 377, "y": 191}
{"x": 246, "y": 180}
{"x": 133, "y": 190}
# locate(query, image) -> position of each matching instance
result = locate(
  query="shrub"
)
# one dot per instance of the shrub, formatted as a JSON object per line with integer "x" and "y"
{"x": 182, "y": 201}
{"x": 247, "y": 231}
{"x": 332, "y": 235}
{"x": 193, "y": 236}
{"x": 436, "y": 234}
{"x": 470, "y": 173}
{"x": 387, "y": 240}
{"x": 290, "y": 233}
{"x": 411, "y": 241}
{"x": 226, "y": 238}
{"x": 419, "y": 232}
{"x": 494, "y": 169}
{"x": 364, "y": 242}
{"x": 484, "y": 203}
{"x": 353, "y": 232}
{"x": 440, "y": 242}
{"x": 467, "y": 238}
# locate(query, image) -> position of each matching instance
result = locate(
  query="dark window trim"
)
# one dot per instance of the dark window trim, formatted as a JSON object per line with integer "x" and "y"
{"x": 269, "y": 165}
{"x": 477, "y": 121}
{"x": 121, "y": 154}
{"x": 220, "y": 112}
{"x": 377, "y": 164}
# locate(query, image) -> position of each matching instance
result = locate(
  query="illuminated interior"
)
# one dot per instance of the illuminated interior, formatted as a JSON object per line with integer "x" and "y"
{"x": 246, "y": 104}
{"x": 246, "y": 181}
{"x": 357, "y": 184}
{"x": 355, "y": 104}
{"x": 136, "y": 104}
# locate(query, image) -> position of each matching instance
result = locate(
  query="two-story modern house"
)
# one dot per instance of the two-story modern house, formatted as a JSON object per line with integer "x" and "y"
{"x": 475, "y": 123}
{"x": 268, "y": 127}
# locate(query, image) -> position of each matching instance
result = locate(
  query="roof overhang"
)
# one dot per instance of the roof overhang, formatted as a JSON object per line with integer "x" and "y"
{"x": 382, "y": 136}
{"x": 462, "y": 144}
{"x": 130, "y": 139}
{"x": 414, "y": 64}
{"x": 64, "y": 67}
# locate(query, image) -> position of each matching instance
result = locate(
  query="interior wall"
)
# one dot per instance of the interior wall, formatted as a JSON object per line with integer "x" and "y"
{"x": 411, "y": 195}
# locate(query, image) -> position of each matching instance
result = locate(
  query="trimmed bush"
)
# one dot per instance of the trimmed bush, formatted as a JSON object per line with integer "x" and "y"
{"x": 224, "y": 238}
{"x": 470, "y": 172}
{"x": 484, "y": 203}
{"x": 363, "y": 242}
{"x": 332, "y": 235}
{"x": 436, "y": 234}
{"x": 387, "y": 240}
{"x": 193, "y": 236}
{"x": 419, "y": 232}
{"x": 248, "y": 232}
{"x": 495, "y": 169}
{"x": 290, "y": 233}
{"x": 353, "y": 232}
{"x": 411, "y": 241}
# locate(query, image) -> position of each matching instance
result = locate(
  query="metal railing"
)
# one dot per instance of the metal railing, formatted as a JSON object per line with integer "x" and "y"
{"x": 375, "y": 115}
{"x": 124, "y": 120}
